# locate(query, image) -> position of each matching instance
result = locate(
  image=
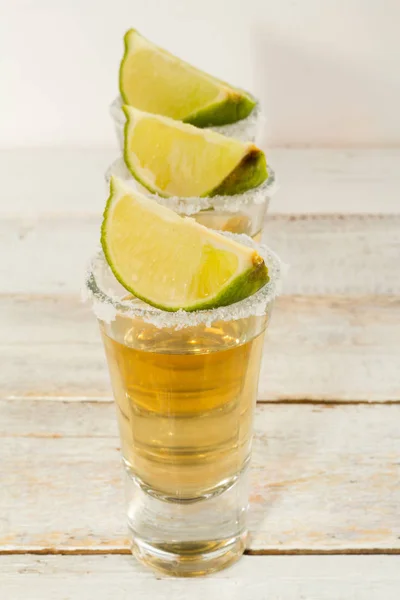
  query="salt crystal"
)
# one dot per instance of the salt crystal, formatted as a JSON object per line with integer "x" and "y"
{"x": 249, "y": 129}
{"x": 107, "y": 296}
{"x": 192, "y": 205}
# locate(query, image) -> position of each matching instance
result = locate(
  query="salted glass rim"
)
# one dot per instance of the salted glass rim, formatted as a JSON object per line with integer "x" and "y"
{"x": 190, "y": 205}
{"x": 118, "y": 114}
{"x": 108, "y": 299}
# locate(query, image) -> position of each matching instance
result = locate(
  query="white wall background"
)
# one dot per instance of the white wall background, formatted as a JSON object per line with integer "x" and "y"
{"x": 328, "y": 71}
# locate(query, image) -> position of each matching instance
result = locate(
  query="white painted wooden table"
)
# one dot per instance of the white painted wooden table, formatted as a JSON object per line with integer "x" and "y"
{"x": 325, "y": 502}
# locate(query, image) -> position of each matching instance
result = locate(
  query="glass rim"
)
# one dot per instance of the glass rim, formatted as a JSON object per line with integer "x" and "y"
{"x": 118, "y": 114}
{"x": 190, "y": 205}
{"x": 107, "y": 305}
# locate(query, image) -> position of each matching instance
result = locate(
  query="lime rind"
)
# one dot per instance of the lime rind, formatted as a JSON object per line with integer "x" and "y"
{"x": 235, "y": 107}
{"x": 250, "y": 173}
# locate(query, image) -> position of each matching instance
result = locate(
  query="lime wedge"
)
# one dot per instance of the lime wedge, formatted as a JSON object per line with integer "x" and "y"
{"x": 172, "y": 262}
{"x": 172, "y": 158}
{"x": 154, "y": 80}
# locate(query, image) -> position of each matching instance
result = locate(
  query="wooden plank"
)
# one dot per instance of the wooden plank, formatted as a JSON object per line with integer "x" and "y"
{"x": 46, "y": 255}
{"x": 345, "y": 181}
{"x": 333, "y": 349}
{"x": 51, "y": 346}
{"x": 252, "y": 578}
{"x": 327, "y": 254}
{"x": 74, "y": 180}
{"x": 336, "y": 254}
{"x": 324, "y": 479}
{"x": 317, "y": 349}
{"x": 311, "y": 180}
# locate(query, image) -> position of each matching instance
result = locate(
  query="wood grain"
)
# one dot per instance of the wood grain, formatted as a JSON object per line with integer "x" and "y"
{"x": 317, "y": 349}
{"x": 325, "y": 475}
{"x": 326, "y": 180}
{"x": 327, "y": 254}
{"x": 252, "y": 578}
{"x": 337, "y": 254}
{"x": 324, "y": 478}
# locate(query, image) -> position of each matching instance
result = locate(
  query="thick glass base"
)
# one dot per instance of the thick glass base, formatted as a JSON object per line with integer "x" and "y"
{"x": 188, "y": 539}
{"x": 187, "y": 559}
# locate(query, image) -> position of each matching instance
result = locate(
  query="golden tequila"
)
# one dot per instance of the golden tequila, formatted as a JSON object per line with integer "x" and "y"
{"x": 185, "y": 401}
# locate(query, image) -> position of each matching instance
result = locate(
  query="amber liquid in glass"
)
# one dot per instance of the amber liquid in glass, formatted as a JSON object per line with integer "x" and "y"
{"x": 185, "y": 403}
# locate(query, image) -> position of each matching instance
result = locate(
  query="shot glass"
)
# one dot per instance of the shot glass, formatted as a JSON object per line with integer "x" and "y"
{"x": 247, "y": 130}
{"x": 185, "y": 388}
{"x": 240, "y": 213}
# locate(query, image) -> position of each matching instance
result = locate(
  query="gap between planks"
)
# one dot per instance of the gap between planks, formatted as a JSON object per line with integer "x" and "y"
{"x": 321, "y": 481}
{"x": 330, "y": 403}
{"x": 273, "y": 552}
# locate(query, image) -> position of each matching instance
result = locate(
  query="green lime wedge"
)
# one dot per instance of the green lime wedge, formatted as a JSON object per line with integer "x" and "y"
{"x": 172, "y": 262}
{"x": 154, "y": 80}
{"x": 172, "y": 158}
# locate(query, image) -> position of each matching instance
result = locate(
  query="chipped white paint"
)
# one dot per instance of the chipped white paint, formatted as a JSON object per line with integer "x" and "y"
{"x": 324, "y": 478}
{"x": 317, "y": 348}
{"x": 252, "y": 578}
